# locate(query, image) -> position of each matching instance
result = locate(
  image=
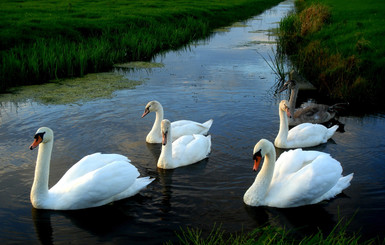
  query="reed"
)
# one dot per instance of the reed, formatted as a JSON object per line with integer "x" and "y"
{"x": 51, "y": 39}
{"x": 277, "y": 63}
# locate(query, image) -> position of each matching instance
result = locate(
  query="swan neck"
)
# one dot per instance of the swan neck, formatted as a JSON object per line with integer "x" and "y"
{"x": 293, "y": 100}
{"x": 283, "y": 127}
{"x": 263, "y": 180}
{"x": 158, "y": 119}
{"x": 266, "y": 173}
{"x": 40, "y": 182}
{"x": 159, "y": 116}
{"x": 165, "y": 159}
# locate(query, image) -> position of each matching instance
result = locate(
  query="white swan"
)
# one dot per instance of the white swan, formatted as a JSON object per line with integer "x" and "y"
{"x": 297, "y": 178}
{"x": 179, "y": 128}
{"x": 308, "y": 112}
{"x": 186, "y": 150}
{"x": 95, "y": 180}
{"x": 302, "y": 135}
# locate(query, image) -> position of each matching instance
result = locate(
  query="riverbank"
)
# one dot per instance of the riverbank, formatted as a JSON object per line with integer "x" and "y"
{"x": 46, "y": 40}
{"x": 338, "y": 46}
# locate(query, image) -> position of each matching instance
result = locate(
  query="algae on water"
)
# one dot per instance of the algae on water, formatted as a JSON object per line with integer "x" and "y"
{"x": 75, "y": 90}
{"x": 139, "y": 65}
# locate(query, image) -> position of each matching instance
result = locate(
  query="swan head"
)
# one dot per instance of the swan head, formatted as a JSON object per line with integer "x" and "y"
{"x": 152, "y": 106}
{"x": 289, "y": 84}
{"x": 262, "y": 148}
{"x": 165, "y": 128}
{"x": 284, "y": 106}
{"x": 42, "y": 135}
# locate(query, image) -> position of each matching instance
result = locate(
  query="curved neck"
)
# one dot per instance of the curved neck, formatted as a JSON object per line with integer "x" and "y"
{"x": 262, "y": 182}
{"x": 40, "y": 182}
{"x": 293, "y": 100}
{"x": 158, "y": 119}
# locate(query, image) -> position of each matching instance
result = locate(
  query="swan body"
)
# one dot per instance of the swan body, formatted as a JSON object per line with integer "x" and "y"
{"x": 95, "y": 180}
{"x": 297, "y": 178}
{"x": 302, "y": 135}
{"x": 186, "y": 150}
{"x": 179, "y": 128}
{"x": 309, "y": 112}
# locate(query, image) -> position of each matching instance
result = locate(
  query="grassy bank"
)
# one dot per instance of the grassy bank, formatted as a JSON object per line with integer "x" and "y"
{"x": 50, "y": 39}
{"x": 272, "y": 235}
{"x": 338, "y": 46}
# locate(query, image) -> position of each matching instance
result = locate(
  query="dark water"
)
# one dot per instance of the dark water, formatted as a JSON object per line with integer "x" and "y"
{"x": 223, "y": 78}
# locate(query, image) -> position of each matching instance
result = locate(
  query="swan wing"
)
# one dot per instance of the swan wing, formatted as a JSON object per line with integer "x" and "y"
{"x": 190, "y": 149}
{"x": 292, "y": 161}
{"x": 307, "y": 134}
{"x": 88, "y": 164}
{"x": 314, "y": 113}
{"x": 96, "y": 187}
{"x": 306, "y": 185}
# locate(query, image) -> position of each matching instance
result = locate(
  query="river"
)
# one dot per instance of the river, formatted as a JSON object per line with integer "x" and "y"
{"x": 224, "y": 78}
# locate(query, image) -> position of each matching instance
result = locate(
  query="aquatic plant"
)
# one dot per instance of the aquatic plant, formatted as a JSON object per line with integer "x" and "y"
{"x": 277, "y": 63}
{"x": 69, "y": 91}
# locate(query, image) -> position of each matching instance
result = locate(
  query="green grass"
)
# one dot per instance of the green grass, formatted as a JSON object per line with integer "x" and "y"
{"x": 49, "y": 39}
{"x": 345, "y": 55}
{"x": 272, "y": 235}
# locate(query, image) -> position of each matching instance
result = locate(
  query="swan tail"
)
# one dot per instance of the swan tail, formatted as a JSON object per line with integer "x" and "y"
{"x": 337, "y": 107}
{"x": 135, "y": 188}
{"x": 209, "y": 147}
{"x": 143, "y": 182}
{"x": 342, "y": 184}
{"x": 331, "y": 131}
{"x": 208, "y": 123}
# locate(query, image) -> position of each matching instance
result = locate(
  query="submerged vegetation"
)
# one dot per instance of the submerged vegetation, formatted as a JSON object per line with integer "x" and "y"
{"x": 338, "y": 46}
{"x": 51, "y": 39}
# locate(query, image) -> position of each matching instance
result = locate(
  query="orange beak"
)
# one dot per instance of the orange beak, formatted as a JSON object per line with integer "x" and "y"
{"x": 146, "y": 111}
{"x": 257, "y": 161}
{"x": 288, "y": 112}
{"x": 38, "y": 139}
{"x": 164, "y": 138}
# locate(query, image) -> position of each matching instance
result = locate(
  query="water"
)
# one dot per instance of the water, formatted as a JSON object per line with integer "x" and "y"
{"x": 224, "y": 78}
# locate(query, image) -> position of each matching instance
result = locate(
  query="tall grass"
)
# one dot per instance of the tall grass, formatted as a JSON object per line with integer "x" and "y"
{"x": 336, "y": 45}
{"x": 49, "y": 39}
